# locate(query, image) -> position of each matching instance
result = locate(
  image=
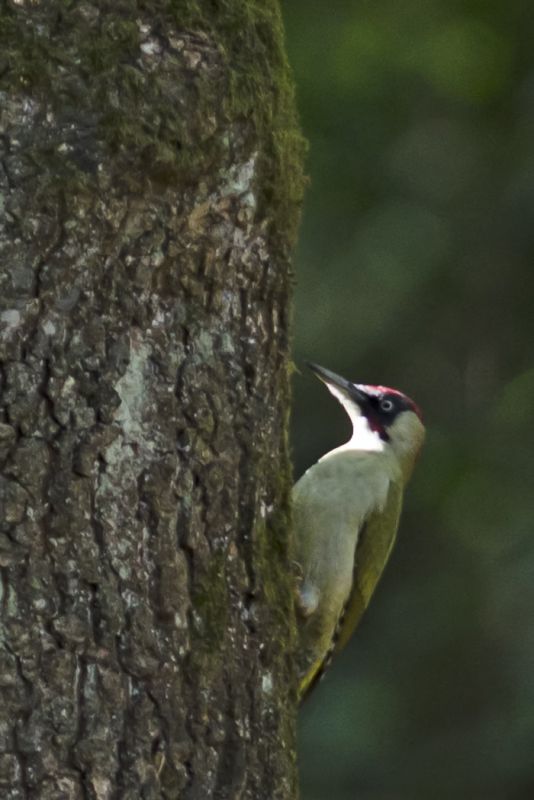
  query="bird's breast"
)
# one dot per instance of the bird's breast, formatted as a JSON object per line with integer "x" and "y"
{"x": 331, "y": 503}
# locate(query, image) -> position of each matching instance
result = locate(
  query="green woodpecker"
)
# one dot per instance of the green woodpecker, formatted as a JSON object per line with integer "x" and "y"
{"x": 346, "y": 511}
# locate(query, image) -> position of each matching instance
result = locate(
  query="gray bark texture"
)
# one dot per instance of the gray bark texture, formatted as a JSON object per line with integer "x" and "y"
{"x": 150, "y": 179}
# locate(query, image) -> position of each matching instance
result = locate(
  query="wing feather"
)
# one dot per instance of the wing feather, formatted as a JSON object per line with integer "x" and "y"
{"x": 372, "y": 553}
{"x": 375, "y": 543}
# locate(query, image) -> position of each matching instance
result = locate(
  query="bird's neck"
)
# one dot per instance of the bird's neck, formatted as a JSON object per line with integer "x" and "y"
{"x": 363, "y": 438}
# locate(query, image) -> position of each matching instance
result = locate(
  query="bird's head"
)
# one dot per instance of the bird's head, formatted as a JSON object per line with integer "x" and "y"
{"x": 381, "y": 417}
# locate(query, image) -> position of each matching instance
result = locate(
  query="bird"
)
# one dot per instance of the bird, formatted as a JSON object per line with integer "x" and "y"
{"x": 346, "y": 511}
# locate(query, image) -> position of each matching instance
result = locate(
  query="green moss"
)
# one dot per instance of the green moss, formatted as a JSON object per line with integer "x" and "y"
{"x": 261, "y": 88}
{"x": 211, "y": 612}
{"x": 93, "y": 70}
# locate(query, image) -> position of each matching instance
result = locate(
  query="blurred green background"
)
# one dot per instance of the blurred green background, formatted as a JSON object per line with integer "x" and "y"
{"x": 416, "y": 269}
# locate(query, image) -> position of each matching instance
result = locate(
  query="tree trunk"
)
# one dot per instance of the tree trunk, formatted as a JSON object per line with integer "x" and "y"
{"x": 150, "y": 179}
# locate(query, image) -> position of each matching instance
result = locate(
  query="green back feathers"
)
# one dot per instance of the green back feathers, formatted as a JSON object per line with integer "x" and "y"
{"x": 375, "y": 543}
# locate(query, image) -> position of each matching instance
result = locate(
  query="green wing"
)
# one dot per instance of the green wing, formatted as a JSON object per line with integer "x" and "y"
{"x": 375, "y": 543}
{"x": 372, "y": 552}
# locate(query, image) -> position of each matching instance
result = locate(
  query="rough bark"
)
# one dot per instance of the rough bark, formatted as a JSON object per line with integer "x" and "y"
{"x": 149, "y": 184}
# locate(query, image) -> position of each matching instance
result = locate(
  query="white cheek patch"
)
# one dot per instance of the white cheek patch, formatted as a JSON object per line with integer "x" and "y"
{"x": 363, "y": 437}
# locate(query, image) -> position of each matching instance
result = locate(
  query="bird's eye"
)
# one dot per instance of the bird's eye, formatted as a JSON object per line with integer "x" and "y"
{"x": 386, "y": 405}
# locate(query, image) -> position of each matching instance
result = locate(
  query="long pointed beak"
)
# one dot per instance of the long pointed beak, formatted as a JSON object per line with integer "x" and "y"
{"x": 336, "y": 382}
